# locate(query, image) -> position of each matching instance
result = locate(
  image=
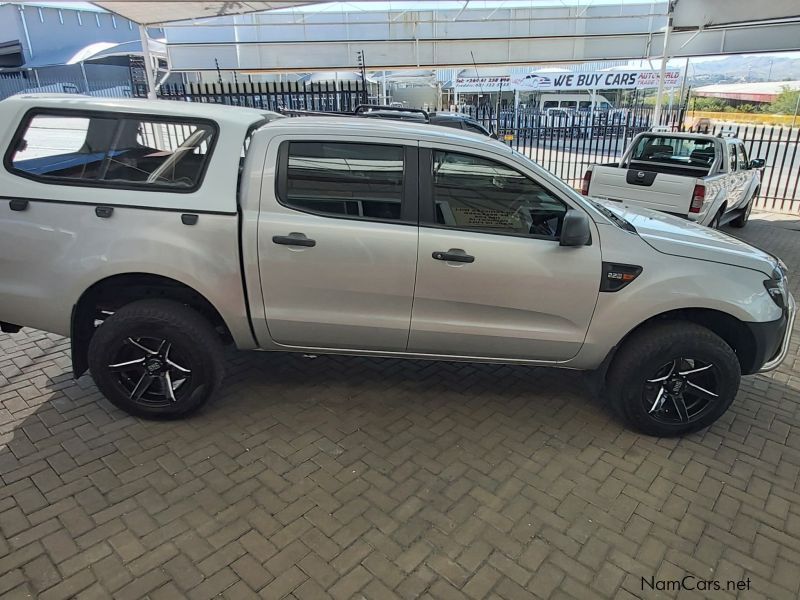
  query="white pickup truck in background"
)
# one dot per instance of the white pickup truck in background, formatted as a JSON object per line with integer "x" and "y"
{"x": 704, "y": 178}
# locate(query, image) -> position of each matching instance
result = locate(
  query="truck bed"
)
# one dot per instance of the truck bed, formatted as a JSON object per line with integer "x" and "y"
{"x": 664, "y": 191}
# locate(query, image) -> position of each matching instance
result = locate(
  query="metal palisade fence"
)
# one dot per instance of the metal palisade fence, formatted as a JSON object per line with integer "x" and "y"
{"x": 566, "y": 143}
{"x": 563, "y": 141}
{"x": 325, "y": 96}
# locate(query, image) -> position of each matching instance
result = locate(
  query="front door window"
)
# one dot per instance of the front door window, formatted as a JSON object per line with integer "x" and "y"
{"x": 478, "y": 194}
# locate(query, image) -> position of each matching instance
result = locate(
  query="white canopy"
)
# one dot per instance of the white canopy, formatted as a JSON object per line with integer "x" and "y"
{"x": 167, "y": 11}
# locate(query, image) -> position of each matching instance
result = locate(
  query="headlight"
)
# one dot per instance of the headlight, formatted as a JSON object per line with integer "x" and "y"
{"x": 777, "y": 289}
{"x": 784, "y": 271}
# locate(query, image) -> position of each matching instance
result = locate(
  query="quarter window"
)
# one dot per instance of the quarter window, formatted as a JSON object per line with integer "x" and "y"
{"x": 345, "y": 179}
{"x": 477, "y": 194}
{"x": 112, "y": 151}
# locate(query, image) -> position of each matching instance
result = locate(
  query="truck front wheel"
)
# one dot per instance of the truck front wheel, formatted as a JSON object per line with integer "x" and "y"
{"x": 156, "y": 359}
{"x": 673, "y": 378}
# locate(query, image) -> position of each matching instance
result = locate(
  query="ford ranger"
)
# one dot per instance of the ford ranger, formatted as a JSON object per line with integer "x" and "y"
{"x": 155, "y": 232}
{"x": 703, "y": 178}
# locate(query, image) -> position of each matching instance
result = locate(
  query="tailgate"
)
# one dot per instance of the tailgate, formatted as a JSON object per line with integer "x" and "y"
{"x": 658, "y": 191}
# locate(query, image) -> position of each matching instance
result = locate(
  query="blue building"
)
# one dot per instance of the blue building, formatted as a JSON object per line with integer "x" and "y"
{"x": 47, "y": 45}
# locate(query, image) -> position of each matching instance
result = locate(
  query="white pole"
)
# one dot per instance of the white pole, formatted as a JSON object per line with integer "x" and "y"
{"x": 148, "y": 63}
{"x": 338, "y": 95}
{"x": 383, "y": 87}
{"x": 85, "y": 79}
{"x": 684, "y": 81}
{"x": 663, "y": 71}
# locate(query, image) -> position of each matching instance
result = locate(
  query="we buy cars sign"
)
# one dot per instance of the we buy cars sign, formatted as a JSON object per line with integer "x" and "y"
{"x": 597, "y": 80}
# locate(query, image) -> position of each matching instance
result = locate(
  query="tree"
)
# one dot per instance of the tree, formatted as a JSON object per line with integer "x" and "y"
{"x": 709, "y": 104}
{"x": 786, "y": 102}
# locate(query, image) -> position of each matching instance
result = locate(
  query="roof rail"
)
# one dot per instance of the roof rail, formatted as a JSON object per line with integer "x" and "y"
{"x": 299, "y": 112}
{"x": 362, "y": 110}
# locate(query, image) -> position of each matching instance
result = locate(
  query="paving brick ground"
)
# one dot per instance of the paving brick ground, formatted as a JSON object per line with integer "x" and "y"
{"x": 351, "y": 478}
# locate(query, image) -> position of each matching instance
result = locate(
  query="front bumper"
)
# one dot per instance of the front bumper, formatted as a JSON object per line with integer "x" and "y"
{"x": 784, "y": 334}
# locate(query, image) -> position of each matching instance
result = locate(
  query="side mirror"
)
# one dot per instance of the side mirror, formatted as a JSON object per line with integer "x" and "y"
{"x": 575, "y": 229}
{"x": 757, "y": 163}
{"x": 493, "y": 136}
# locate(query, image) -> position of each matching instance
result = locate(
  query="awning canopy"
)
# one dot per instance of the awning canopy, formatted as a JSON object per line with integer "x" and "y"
{"x": 715, "y": 13}
{"x": 94, "y": 52}
{"x": 168, "y": 11}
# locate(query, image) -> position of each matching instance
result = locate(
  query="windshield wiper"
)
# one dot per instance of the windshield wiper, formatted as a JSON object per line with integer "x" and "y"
{"x": 616, "y": 219}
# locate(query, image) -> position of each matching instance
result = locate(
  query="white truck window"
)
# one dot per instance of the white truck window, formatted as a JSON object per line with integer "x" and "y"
{"x": 477, "y": 194}
{"x": 743, "y": 162}
{"x": 109, "y": 150}
{"x": 678, "y": 151}
{"x": 732, "y": 156}
{"x": 345, "y": 179}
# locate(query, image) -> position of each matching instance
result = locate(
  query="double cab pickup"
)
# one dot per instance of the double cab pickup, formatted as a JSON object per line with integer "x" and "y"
{"x": 153, "y": 233}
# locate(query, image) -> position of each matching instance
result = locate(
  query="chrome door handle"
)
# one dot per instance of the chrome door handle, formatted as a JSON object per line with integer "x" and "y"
{"x": 294, "y": 239}
{"x": 453, "y": 255}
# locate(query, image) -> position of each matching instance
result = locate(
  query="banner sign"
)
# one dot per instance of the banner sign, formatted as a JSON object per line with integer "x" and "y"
{"x": 596, "y": 80}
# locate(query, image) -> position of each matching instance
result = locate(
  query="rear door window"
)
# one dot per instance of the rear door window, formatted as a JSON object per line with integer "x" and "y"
{"x": 742, "y": 153}
{"x": 108, "y": 150}
{"x": 343, "y": 179}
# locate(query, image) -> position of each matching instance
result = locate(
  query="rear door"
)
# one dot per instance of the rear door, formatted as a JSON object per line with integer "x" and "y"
{"x": 748, "y": 174}
{"x": 492, "y": 279}
{"x": 736, "y": 179}
{"x": 337, "y": 243}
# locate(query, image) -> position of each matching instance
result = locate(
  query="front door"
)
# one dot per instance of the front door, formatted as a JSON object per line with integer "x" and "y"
{"x": 337, "y": 241}
{"x": 492, "y": 279}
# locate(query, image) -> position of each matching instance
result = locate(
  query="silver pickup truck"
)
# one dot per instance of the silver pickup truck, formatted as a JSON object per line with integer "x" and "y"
{"x": 703, "y": 178}
{"x": 153, "y": 233}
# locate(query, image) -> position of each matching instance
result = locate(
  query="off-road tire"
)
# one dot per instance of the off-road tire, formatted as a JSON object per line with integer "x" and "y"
{"x": 654, "y": 345}
{"x": 185, "y": 329}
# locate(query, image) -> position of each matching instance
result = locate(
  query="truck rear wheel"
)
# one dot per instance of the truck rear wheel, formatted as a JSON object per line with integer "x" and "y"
{"x": 156, "y": 359}
{"x": 742, "y": 219}
{"x": 673, "y": 378}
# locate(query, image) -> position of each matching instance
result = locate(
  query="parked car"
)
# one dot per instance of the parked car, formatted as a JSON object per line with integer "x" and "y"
{"x": 707, "y": 179}
{"x": 154, "y": 232}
